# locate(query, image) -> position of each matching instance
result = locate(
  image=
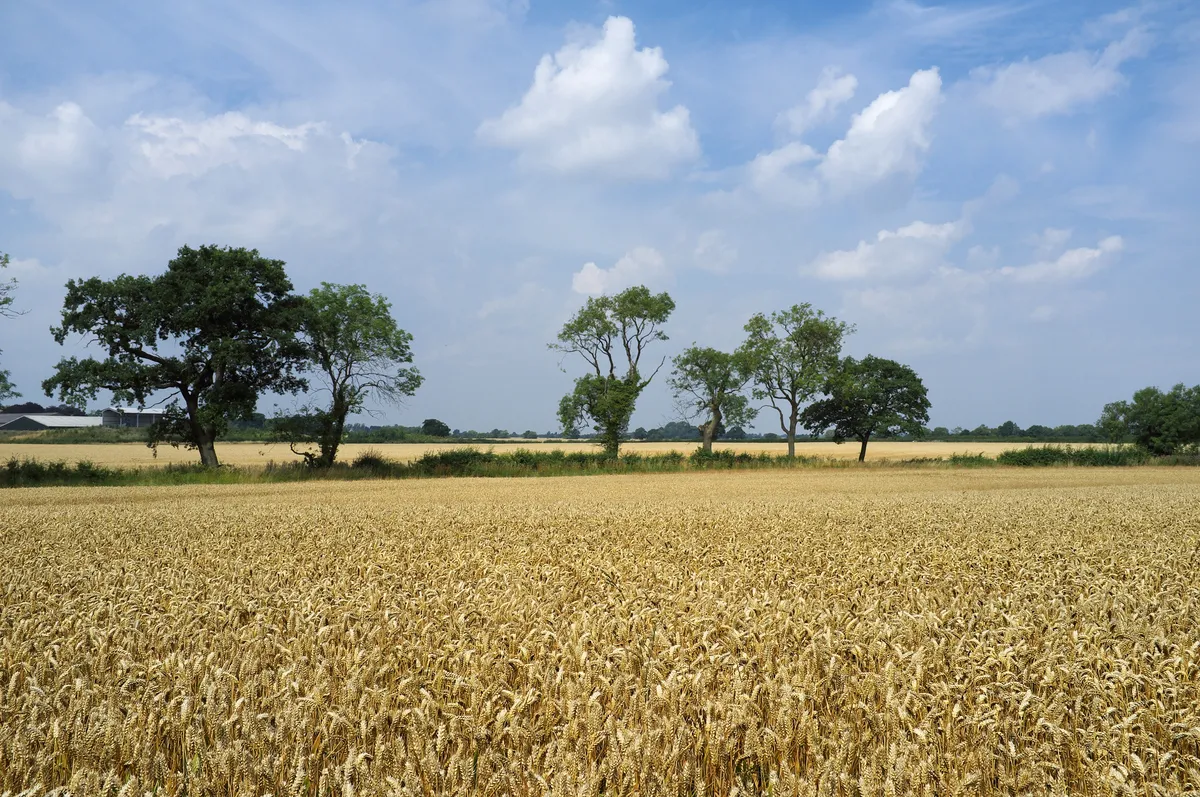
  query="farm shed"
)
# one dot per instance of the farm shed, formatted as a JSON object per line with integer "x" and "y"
{"x": 34, "y": 423}
{"x": 130, "y": 416}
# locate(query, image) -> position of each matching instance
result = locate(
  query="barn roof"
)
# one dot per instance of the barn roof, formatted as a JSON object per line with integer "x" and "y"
{"x": 136, "y": 410}
{"x": 51, "y": 421}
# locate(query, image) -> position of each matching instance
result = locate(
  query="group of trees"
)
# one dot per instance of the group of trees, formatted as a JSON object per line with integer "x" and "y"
{"x": 787, "y": 361}
{"x": 1161, "y": 422}
{"x": 220, "y": 327}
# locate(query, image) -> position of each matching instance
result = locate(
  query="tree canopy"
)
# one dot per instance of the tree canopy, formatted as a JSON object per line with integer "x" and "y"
{"x": 216, "y": 329}
{"x": 355, "y": 350}
{"x": 7, "y": 288}
{"x": 791, "y": 355}
{"x": 435, "y": 428}
{"x": 709, "y": 383}
{"x": 611, "y": 334}
{"x": 1162, "y": 423}
{"x": 870, "y": 397}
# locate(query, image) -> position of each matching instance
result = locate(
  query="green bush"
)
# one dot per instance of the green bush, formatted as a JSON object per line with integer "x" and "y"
{"x": 1043, "y": 456}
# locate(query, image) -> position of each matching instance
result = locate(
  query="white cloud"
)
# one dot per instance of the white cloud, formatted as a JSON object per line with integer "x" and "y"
{"x": 832, "y": 91}
{"x": 50, "y": 153}
{"x": 595, "y": 108}
{"x": 1050, "y": 241}
{"x": 887, "y": 138}
{"x": 642, "y": 265}
{"x": 1059, "y": 83}
{"x": 173, "y": 146}
{"x": 1074, "y": 264}
{"x": 917, "y": 248}
{"x": 714, "y": 253}
{"x": 775, "y": 174}
{"x": 890, "y": 136}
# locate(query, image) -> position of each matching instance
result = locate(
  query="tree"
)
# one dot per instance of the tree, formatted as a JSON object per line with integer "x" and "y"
{"x": 216, "y": 329}
{"x": 356, "y": 350}
{"x": 434, "y": 428}
{"x": 529, "y": 434}
{"x": 7, "y": 287}
{"x": 611, "y": 334}
{"x": 640, "y": 433}
{"x": 736, "y": 433}
{"x": 791, "y": 355}
{"x": 708, "y": 383}
{"x": 1161, "y": 423}
{"x": 1008, "y": 429}
{"x": 869, "y": 397}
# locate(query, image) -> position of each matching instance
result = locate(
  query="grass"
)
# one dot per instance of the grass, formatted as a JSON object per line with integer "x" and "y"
{"x": 472, "y": 462}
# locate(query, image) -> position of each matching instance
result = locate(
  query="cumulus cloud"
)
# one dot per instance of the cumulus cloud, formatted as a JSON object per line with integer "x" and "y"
{"x": 1059, "y": 83}
{"x": 832, "y": 91}
{"x": 887, "y": 138}
{"x": 642, "y": 265}
{"x": 780, "y": 174}
{"x": 595, "y": 108}
{"x": 46, "y": 153}
{"x": 1071, "y": 265}
{"x": 919, "y": 247}
{"x": 890, "y": 136}
{"x": 156, "y": 180}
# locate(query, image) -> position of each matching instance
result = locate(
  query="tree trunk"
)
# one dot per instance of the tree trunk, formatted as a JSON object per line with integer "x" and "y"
{"x": 331, "y": 434}
{"x": 205, "y": 438}
{"x": 207, "y": 447}
{"x": 709, "y": 430}
{"x": 791, "y": 434}
{"x": 862, "y": 452}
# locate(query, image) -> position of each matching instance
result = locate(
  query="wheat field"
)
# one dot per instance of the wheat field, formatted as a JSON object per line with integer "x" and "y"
{"x": 932, "y": 632}
{"x": 137, "y": 455}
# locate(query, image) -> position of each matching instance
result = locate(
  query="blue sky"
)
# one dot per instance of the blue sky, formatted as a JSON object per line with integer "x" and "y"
{"x": 1001, "y": 195}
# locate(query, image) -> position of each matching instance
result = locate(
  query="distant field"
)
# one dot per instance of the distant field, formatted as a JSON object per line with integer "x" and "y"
{"x": 836, "y": 632}
{"x": 130, "y": 455}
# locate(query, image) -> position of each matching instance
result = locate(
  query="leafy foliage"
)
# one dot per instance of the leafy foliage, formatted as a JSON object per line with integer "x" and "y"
{"x": 791, "y": 355}
{"x": 611, "y": 334}
{"x": 216, "y": 329}
{"x": 870, "y": 397}
{"x": 7, "y": 390}
{"x": 435, "y": 428}
{"x": 709, "y": 383}
{"x": 1161, "y": 423}
{"x": 356, "y": 350}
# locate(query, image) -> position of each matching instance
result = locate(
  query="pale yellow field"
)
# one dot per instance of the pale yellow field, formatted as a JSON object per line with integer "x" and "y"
{"x": 815, "y": 632}
{"x": 250, "y": 454}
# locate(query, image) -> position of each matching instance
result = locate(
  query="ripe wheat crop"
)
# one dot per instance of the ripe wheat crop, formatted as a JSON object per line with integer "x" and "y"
{"x": 811, "y": 633}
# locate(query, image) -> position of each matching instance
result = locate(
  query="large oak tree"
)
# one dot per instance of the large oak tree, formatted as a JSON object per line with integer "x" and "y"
{"x": 215, "y": 330}
{"x": 867, "y": 398}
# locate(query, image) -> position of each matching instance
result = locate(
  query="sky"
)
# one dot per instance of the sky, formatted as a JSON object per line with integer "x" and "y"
{"x": 1001, "y": 195}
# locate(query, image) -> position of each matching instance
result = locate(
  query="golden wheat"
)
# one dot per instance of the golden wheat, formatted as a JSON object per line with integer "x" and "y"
{"x": 811, "y": 633}
{"x": 137, "y": 455}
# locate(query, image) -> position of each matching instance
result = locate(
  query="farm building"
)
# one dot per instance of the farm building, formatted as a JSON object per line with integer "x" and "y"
{"x": 35, "y": 423}
{"x": 130, "y": 416}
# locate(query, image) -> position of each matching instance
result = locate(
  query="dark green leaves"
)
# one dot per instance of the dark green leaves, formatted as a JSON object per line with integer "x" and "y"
{"x": 870, "y": 397}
